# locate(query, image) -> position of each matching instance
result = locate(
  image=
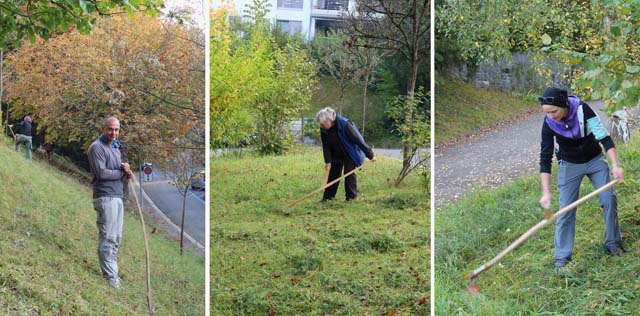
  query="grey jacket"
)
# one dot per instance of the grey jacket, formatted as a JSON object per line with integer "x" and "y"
{"x": 108, "y": 178}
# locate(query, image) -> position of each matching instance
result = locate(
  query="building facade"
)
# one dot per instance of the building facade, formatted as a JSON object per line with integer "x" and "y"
{"x": 305, "y": 17}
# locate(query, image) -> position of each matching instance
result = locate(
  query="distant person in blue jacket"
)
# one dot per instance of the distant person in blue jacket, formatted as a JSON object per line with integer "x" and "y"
{"x": 23, "y": 135}
{"x": 344, "y": 148}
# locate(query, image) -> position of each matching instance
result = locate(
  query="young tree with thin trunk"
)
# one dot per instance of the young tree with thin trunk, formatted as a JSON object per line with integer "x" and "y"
{"x": 403, "y": 27}
{"x": 181, "y": 167}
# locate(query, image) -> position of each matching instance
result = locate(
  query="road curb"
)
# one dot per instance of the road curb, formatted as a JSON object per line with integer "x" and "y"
{"x": 168, "y": 226}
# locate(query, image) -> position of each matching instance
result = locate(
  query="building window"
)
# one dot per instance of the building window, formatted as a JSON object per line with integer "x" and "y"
{"x": 290, "y": 27}
{"x": 290, "y": 4}
{"x": 334, "y": 5}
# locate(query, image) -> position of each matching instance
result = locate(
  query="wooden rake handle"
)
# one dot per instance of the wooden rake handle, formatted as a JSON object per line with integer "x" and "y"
{"x": 292, "y": 204}
{"x": 325, "y": 179}
{"x": 146, "y": 247}
{"x": 538, "y": 226}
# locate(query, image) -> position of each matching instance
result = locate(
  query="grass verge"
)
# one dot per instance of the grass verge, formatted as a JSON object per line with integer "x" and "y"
{"x": 477, "y": 228}
{"x": 365, "y": 257}
{"x": 461, "y": 108}
{"x": 49, "y": 264}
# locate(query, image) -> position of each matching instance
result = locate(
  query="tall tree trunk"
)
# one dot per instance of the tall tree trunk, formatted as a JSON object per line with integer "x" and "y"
{"x": 302, "y": 126}
{"x": 184, "y": 210}
{"x": 408, "y": 150}
{"x": 2, "y": 87}
{"x": 364, "y": 102}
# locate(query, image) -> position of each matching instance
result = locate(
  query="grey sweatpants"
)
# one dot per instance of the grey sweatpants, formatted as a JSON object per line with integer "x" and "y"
{"x": 110, "y": 213}
{"x": 569, "y": 178}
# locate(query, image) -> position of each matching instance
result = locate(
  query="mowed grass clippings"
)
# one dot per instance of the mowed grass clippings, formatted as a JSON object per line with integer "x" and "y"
{"x": 474, "y": 230}
{"x": 368, "y": 256}
{"x": 49, "y": 264}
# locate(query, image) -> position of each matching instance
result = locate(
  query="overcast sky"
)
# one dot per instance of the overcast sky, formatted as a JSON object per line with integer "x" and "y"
{"x": 198, "y": 16}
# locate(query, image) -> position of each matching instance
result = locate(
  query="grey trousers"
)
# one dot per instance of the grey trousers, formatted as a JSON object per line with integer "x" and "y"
{"x": 110, "y": 214}
{"x": 26, "y": 140}
{"x": 569, "y": 178}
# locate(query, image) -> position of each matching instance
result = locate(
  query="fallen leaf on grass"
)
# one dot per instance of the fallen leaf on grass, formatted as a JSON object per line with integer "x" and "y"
{"x": 390, "y": 312}
{"x": 276, "y": 275}
{"x": 423, "y": 300}
{"x": 295, "y": 281}
{"x": 273, "y": 314}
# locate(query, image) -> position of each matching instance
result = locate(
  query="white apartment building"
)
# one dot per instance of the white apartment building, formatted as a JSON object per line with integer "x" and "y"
{"x": 307, "y": 17}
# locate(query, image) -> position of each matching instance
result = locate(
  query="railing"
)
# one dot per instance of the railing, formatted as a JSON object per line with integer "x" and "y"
{"x": 333, "y": 5}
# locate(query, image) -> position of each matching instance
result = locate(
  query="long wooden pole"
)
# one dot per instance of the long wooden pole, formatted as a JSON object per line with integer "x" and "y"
{"x": 146, "y": 247}
{"x": 324, "y": 187}
{"x": 534, "y": 229}
{"x": 325, "y": 178}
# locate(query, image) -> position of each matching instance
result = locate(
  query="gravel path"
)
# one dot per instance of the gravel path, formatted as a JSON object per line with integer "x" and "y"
{"x": 490, "y": 159}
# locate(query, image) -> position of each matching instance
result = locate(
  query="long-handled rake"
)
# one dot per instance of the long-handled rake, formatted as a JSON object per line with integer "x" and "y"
{"x": 12, "y": 133}
{"x": 146, "y": 248}
{"x": 326, "y": 185}
{"x": 548, "y": 219}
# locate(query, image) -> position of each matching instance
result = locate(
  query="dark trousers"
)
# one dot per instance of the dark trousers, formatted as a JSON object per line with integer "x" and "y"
{"x": 350, "y": 182}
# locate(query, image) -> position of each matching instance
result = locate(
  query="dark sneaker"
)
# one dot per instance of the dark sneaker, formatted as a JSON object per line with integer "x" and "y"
{"x": 115, "y": 283}
{"x": 615, "y": 251}
{"x": 558, "y": 264}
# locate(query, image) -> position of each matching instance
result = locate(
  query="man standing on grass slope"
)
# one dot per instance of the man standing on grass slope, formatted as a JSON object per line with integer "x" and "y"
{"x": 23, "y": 136}
{"x": 109, "y": 174}
{"x": 578, "y": 131}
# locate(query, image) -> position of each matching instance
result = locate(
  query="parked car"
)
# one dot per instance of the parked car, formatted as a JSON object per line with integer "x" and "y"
{"x": 198, "y": 182}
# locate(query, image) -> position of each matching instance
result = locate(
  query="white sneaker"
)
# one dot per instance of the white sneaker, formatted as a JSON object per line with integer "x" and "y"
{"x": 115, "y": 283}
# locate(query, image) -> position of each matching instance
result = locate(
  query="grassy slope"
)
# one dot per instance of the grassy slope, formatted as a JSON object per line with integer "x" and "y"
{"x": 49, "y": 264}
{"x": 335, "y": 258}
{"x": 477, "y": 228}
{"x": 462, "y": 108}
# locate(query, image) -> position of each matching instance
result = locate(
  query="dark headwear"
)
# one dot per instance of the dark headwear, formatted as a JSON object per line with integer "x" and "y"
{"x": 554, "y": 96}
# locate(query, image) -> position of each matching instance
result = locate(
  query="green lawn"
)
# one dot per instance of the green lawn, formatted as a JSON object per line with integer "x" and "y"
{"x": 461, "y": 108}
{"x": 49, "y": 264}
{"x": 477, "y": 228}
{"x": 366, "y": 257}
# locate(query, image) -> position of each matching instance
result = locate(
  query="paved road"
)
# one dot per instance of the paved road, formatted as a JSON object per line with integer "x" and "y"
{"x": 166, "y": 197}
{"x": 492, "y": 159}
{"x": 393, "y": 153}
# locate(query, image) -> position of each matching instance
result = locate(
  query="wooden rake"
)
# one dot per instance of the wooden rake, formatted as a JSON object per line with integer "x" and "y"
{"x": 324, "y": 186}
{"x": 146, "y": 247}
{"x": 548, "y": 219}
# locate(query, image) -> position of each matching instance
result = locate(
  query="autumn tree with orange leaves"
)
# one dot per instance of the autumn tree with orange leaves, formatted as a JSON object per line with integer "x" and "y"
{"x": 147, "y": 72}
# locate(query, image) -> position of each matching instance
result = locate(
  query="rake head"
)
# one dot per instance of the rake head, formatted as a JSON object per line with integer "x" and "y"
{"x": 471, "y": 286}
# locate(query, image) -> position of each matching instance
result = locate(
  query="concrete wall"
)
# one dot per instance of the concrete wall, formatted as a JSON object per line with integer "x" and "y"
{"x": 517, "y": 73}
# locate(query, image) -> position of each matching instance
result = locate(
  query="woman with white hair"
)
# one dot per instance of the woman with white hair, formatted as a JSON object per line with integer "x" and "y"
{"x": 344, "y": 148}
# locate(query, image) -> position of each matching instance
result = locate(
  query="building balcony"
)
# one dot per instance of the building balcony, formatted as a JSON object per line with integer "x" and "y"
{"x": 329, "y": 8}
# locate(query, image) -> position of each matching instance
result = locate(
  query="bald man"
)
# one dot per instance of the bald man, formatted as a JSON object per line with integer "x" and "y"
{"x": 109, "y": 173}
